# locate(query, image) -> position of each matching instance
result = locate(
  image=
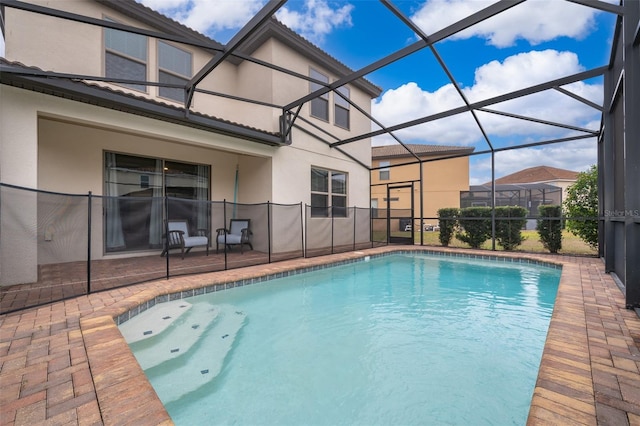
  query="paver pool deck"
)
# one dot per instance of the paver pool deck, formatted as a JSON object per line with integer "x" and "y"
{"x": 67, "y": 363}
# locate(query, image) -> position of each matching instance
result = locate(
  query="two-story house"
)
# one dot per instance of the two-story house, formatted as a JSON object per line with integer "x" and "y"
{"x": 397, "y": 173}
{"x": 113, "y": 98}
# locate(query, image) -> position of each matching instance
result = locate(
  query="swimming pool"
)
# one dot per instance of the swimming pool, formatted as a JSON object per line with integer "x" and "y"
{"x": 401, "y": 339}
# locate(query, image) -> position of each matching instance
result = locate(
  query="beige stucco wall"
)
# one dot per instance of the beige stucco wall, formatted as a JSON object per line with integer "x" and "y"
{"x": 55, "y": 144}
{"x": 79, "y": 49}
{"x": 442, "y": 182}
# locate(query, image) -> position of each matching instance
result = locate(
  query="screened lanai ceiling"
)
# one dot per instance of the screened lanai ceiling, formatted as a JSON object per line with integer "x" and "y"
{"x": 519, "y": 81}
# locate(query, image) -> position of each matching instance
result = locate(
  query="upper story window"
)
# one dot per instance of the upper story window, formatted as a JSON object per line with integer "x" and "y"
{"x": 125, "y": 56}
{"x": 328, "y": 193}
{"x": 319, "y": 105}
{"x": 341, "y": 113}
{"x": 174, "y": 67}
{"x": 384, "y": 171}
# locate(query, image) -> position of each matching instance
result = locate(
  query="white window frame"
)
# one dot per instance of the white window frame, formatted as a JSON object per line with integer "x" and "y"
{"x": 340, "y": 104}
{"x": 123, "y": 55}
{"x": 323, "y": 99}
{"x": 173, "y": 73}
{"x": 330, "y": 210}
{"x": 386, "y": 169}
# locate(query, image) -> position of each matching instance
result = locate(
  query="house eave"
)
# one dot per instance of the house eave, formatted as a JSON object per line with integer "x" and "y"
{"x": 278, "y": 31}
{"x": 81, "y": 92}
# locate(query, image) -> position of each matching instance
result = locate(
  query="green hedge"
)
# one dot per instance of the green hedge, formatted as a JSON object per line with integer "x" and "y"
{"x": 550, "y": 231}
{"x": 447, "y": 221}
{"x": 476, "y": 225}
{"x": 509, "y": 231}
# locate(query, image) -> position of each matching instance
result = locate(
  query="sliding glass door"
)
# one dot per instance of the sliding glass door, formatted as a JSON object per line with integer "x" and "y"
{"x": 134, "y": 199}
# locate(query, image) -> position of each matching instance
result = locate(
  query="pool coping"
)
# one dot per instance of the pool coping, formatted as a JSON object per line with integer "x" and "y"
{"x": 589, "y": 373}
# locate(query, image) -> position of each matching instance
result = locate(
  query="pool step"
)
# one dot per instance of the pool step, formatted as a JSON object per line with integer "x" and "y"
{"x": 153, "y": 321}
{"x": 176, "y": 340}
{"x": 178, "y": 377}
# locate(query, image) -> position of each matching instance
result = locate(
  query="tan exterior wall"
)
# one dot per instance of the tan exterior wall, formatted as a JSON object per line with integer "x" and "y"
{"x": 442, "y": 182}
{"x": 56, "y": 144}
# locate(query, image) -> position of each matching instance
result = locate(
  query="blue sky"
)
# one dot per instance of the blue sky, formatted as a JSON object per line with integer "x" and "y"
{"x": 534, "y": 42}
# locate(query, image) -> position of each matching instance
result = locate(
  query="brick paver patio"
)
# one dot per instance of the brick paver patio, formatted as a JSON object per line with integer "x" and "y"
{"x": 67, "y": 363}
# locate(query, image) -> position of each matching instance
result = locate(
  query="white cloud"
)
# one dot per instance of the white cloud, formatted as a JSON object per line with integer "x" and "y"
{"x": 535, "y": 20}
{"x": 576, "y": 156}
{"x": 165, "y": 4}
{"x": 207, "y": 16}
{"x": 316, "y": 19}
{"x": 409, "y": 102}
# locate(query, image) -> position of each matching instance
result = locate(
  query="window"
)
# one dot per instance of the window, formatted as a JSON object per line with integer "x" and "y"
{"x": 125, "y": 56}
{"x": 341, "y": 113}
{"x": 384, "y": 171}
{"x": 134, "y": 206}
{"x": 319, "y": 105}
{"x": 174, "y": 67}
{"x": 328, "y": 193}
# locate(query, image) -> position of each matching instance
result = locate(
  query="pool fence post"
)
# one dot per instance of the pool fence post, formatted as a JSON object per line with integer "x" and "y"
{"x": 89, "y": 200}
{"x": 354, "y": 227}
{"x": 302, "y": 228}
{"x": 166, "y": 234}
{"x": 269, "y": 230}
{"x": 330, "y": 211}
{"x": 224, "y": 223}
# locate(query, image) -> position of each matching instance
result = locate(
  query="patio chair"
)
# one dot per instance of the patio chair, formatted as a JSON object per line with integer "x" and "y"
{"x": 179, "y": 237}
{"x": 239, "y": 233}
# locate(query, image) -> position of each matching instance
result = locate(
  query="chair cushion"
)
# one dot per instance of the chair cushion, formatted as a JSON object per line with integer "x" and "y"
{"x": 231, "y": 239}
{"x": 237, "y": 226}
{"x": 195, "y": 241}
{"x": 179, "y": 226}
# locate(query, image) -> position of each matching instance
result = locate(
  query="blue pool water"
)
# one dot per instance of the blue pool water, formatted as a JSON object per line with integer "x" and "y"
{"x": 397, "y": 340}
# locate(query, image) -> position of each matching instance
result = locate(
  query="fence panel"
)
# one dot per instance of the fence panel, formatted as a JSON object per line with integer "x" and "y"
{"x": 286, "y": 232}
{"x": 344, "y": 231}
{"x": 318, "y": 234}
{"x": 55, "y": 246}
{"x": 43, "y": 249}
{"x": 362, "y": 219}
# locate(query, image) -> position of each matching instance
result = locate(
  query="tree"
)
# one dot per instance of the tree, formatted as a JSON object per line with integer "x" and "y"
{"x": 447, "y": 221}
{"x": 549, "y": 226}
{"x": 509, "y": 223}
{"x": 476, "y": 225}
{"x": 582, "y": 202}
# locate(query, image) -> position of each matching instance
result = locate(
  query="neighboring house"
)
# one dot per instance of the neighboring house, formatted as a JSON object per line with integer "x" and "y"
{"x": 130, "y": 139}
{"x": 542, "y": 174}
{"x": 397, "y": 173}
{"x": 528, "y": 188}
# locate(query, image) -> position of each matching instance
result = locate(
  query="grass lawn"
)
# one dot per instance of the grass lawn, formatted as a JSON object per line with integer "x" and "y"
{"x": 570, "y": 243}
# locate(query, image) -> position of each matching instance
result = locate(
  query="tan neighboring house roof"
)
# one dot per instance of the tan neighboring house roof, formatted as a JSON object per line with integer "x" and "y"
{"x": 399, "y": 151}
{"x": 538, "y": 174}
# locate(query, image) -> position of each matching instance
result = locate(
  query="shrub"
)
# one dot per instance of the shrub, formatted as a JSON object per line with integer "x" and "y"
{"x": 447, "y": 221}
{"x": 476, "y": 224}
{"x": 582, "y": 202}
{"x": 550, "y": 231}
{"x": 508, "y": 232}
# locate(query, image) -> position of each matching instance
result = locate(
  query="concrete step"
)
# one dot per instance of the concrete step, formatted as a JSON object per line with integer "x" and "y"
{"x": 178, "y": 377}
{"x": 153, "y": 321}
{"x": 176, "y": 340}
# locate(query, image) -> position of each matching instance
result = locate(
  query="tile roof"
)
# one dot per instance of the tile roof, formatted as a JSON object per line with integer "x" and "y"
{"x": 398, "y": 151}
{"x": 272, "y": 28}
{"x": 538, "y": 174}
{"x": 35, "y": 79}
